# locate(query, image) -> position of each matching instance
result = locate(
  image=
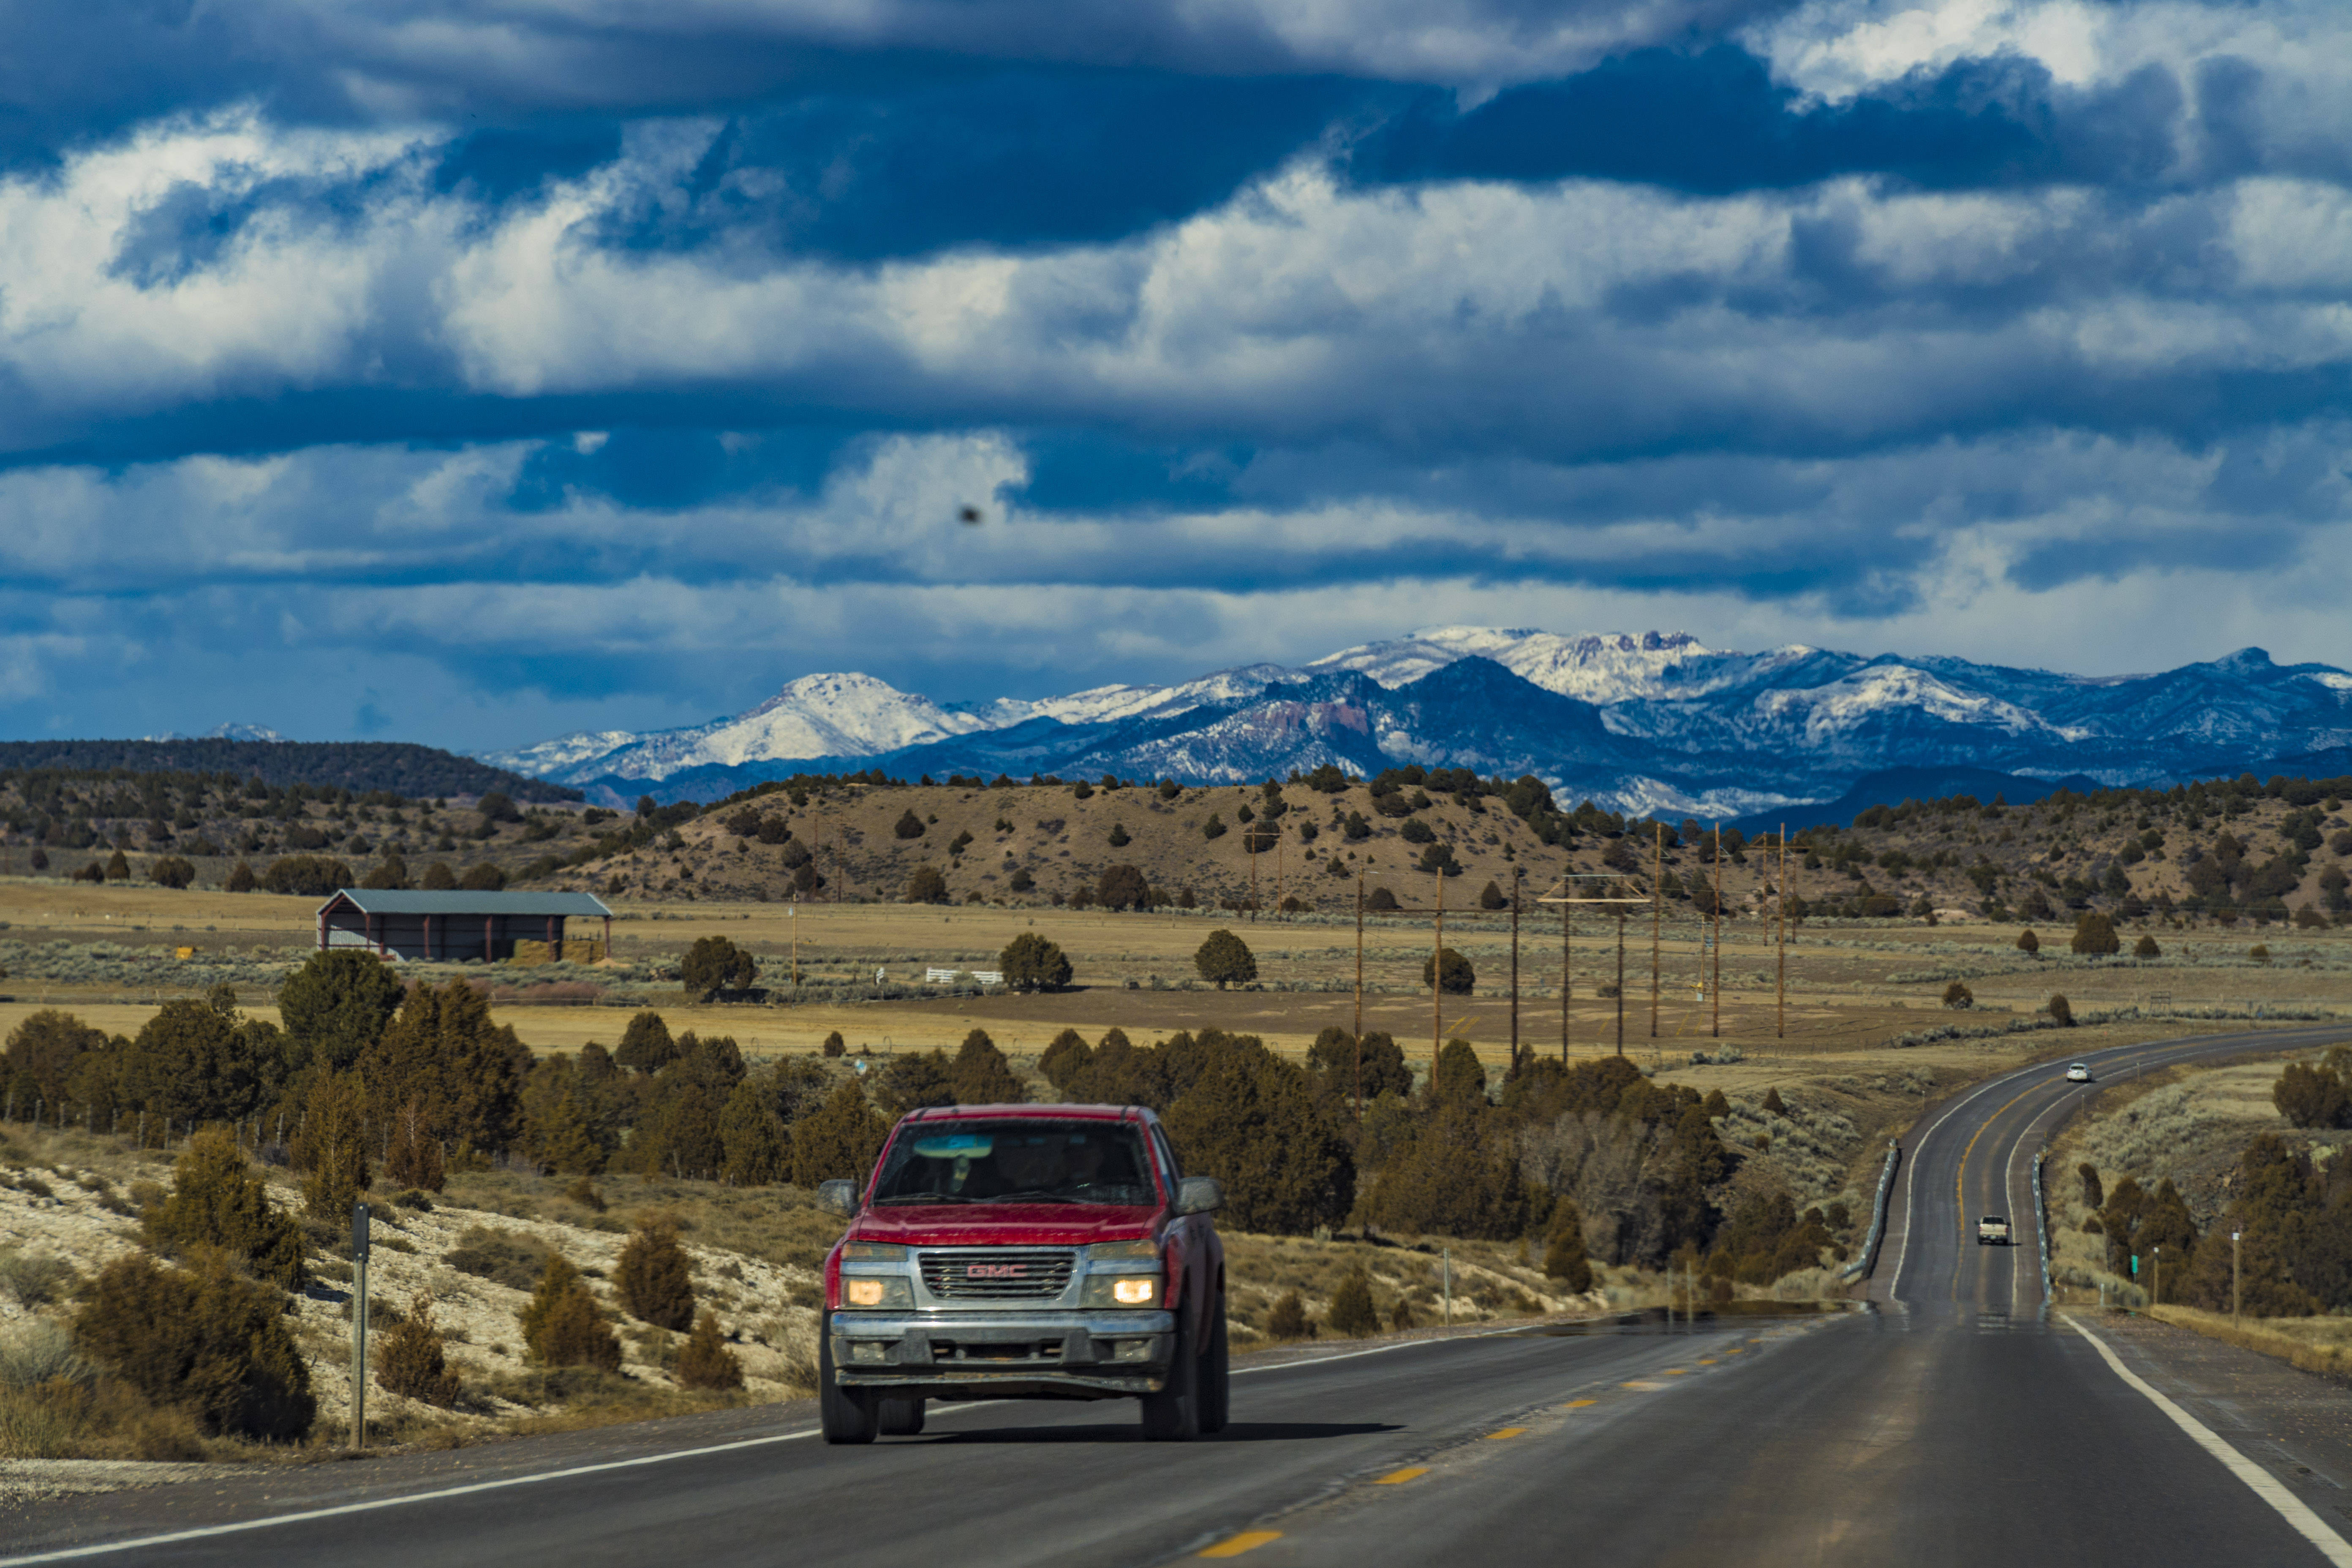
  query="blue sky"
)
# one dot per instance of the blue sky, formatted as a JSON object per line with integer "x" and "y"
{"x": 472, "y": 372}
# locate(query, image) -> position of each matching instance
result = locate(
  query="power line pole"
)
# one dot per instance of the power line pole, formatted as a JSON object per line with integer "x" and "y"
{"x": 1567, "y": 974}
{"x": 1780, "y": 924}
{"x": 1621, "y": 982}
{"x": 1514, "y": 969}
{"x": 1437, "y": 979}
{"x": 1715, "y": 1030}
{"x": 1657, "y": 915}
{"x": 1360, "y": 996}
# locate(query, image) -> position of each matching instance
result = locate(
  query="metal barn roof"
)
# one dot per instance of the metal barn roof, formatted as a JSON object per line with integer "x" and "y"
{"x": 388, "y": 901}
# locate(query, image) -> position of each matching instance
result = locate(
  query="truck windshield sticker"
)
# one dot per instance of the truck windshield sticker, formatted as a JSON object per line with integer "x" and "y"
{"x": 1019, "y": 1161}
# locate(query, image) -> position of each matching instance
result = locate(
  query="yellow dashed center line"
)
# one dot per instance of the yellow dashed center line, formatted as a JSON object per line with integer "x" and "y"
{"x": 1399, "y": 1477}
{"x": 1676, "y": 1371}
{"x": 1640, "y": 1382}
{"x": 1247, "y": 1540}
{"x": 1506, "y": 1432}
{"x": 1705, "y": 1362}
{"x": 1579, "y": 1403}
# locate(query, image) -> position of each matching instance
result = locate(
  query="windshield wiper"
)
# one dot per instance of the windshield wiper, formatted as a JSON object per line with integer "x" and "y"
{"x": 1033, "y": 1198}
{"x": 925, "y": 1198}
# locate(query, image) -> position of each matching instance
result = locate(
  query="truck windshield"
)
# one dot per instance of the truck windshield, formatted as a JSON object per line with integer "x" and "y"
{"x": 1017, "y": 1162}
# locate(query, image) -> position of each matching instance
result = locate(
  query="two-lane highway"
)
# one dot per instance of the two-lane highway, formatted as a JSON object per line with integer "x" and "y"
{"x": 1945, "y": 1421}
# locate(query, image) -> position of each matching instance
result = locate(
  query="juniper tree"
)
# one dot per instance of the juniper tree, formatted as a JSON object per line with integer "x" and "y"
{"x": 1225, "y": 960}
{"x": 654, "y": 1280}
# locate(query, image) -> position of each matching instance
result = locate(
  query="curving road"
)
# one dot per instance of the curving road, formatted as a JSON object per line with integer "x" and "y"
{"x": 1946, "y": 1422}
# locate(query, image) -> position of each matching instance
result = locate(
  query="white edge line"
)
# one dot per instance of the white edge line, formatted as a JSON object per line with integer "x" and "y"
{"x": 2264, "y": 1485}
{"x": 371, "y": 1505}
{"x": 238, "y": 1527}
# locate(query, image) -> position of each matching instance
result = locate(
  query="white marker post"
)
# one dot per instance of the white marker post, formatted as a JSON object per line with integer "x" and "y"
{"x": 359, "y": 1325}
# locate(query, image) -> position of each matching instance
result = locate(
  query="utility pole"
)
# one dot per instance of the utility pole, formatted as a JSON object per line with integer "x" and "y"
{"x": 1780, "y": 924}
{"x": 359, "y": 1325}
{"x": 1249, "y": 842}
{"x": 1715, "y": 1030}
{"x": 1657, "y": 916}
{"x": 1360, "y": 996}
{"x": 1567, "y": 975}
{"x": 1621, "y": 982}
{"x": 1514, "y": 969}
{"x": 1437, "y": 979}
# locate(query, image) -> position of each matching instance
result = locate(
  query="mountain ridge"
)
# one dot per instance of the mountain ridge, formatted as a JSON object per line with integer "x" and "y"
{"x": 1656, "y": 721}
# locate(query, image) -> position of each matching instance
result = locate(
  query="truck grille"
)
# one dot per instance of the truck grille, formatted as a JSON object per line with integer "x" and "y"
{"x": 996, "y": 1276}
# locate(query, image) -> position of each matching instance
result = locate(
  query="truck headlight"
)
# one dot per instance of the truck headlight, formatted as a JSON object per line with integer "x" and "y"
{"x": 1121, "y": 1291}
{"x": 858, "y": 1291}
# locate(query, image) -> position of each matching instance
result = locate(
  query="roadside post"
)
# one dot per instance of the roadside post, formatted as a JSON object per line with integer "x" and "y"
{"x": 1446, "y": 1265}
{"x": 2234, "y": 1275}
{"x": 2156, "y": 1276}
{"x": 359, "y": 1325}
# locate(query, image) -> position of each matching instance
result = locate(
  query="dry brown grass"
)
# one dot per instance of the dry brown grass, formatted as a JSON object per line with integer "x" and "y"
{"x": 2312, "y": 1344}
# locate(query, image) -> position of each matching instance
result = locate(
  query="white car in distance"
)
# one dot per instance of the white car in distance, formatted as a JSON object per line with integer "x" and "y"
{"x": 2078, "y": 1073}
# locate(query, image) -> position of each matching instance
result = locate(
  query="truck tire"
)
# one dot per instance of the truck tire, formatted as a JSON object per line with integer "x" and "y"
{"x": 899, "y": 1417}
{"x": 1216, "y": 1376}
{"x": 1173, "y": 1414}
{"x": 844, "y": 1415}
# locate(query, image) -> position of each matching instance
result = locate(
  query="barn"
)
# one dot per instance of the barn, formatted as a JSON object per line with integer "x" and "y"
{"x": 454, "y": 926}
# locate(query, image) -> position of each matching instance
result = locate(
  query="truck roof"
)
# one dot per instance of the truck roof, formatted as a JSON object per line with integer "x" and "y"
{"x": 1070, "y": 1112}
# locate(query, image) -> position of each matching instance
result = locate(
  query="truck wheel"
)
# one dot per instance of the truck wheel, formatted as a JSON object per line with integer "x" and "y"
{"x": 1173, "y": 1414}
{"x": 899, "y": 1417}
{"x": 1216, "y": 1376}
{"x": 846, "y": 1415}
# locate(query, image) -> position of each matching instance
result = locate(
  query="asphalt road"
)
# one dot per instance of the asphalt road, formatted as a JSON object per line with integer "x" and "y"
{"x": 1948, "y": 1421}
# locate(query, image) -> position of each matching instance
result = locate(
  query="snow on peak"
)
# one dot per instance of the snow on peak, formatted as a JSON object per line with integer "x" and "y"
{"x": 226, "y": 732}
{"x": 1598, "y": 668}
{"x": 1869, "y": 693}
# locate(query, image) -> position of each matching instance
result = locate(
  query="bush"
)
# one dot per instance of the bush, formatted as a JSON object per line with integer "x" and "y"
{"x": 171, "y": 871}
{"x": 36, "y": 1279}
{"x": 2094, "y": 1191}
{"x": 1490, "y": 896}
{"x": 1214, "y": 828}
{"x": 439, "y": 878}
{"x": 927, "y": 886}
{"x": 1288, "y": 1321}
{"x": 486, "y": 878}
{"x": 1400, "y": 1316}
{"x": 217, "y": 1204}
{"x": 908, "y": 825}
{"x": 839, "y": 1139}
{"x": 34, "y": 1351}
{"x": 337, "y": 1002}
{"x": 2059, "y": 1008}
{"x": 714, "y": 964}
{"x": 1225, "y": 959}
{"x": 2094, "y": 936}
{"x": 1352, "y": 1312}
{"x": 980, "y": 1076}
{"x": 1031, "y": 962}
{"x": 1957, "y": 995}
{"x": 654, "y": 1280}
{"x": 1123, "y": 887}
{"x": 1380, "y": 900}
{"x": 410, "y": 1361}
{"x": 333, "y": 1146}
{"x": 313, "y": 876}
{"x": 501, "y": 1257}
{"x": 561, "y": 1324}
{"x": 645, "y": 1045}
{"x": 1065, "y": 1059}
{"x": 2146, "y": 947}
{"x": 413, "y": 1160}
{"x": 1459, "y": 978}
{"x": 834, "y": 1046}
{"x": 705, "y": 1362}
{"x": 2260, "y": 952}
{"x": 2311, "y": 1096}
{"x": 1564, "y": 1251}
{"x": 2028, "y": 943}
{"x": 1416, "y": 831}
{"x": 205, "y": 1340}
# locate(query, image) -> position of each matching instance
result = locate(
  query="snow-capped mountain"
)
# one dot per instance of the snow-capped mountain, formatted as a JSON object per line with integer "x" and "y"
{"x": 1655, "y": 722}
{"x": 226, "y": 732}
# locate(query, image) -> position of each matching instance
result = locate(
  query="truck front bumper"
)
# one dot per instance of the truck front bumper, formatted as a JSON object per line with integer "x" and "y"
{"x": 1052, "y": 1354}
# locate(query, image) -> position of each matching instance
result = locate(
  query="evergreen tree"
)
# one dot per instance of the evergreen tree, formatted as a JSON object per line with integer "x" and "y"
{"x": 909, "y": 825}
{"x": 1066, "y": 1059}
{"x": 1460, "y": 1078}
{"x": 981, "y": 1075}
{"x": 439, "y": 878}
{"x": 2028, "y": 943}
{"x": 1030, "y": 962}
{"x": 758, "y": 1146}
{"x": 1123, "y": 887}
{"x": 410, "y": 1361}
{"x": 927, "y": 886}
{"x": 714, "y": 964}
{"x": 1225, "y": 959}
{"x": 839, "y": 1139}
{"x": 1565, "y": 1255}
{"x": 646, "y": 1043}
{"x": 1352, "y": 1312}
{"x": 2146, "y": 947}
{"x": 2094, "y": 935}
{"x": 333, "y": 1146}
{"x": 205, "y": 1340}
{"x": 1459, "y": 979}
{"x": 1249, "y": 1118}
{"x": 216, "y": 1203}
{"x": 704, "y": 1361}
{"x": 444, "y": 1049}
{"x": 561, "y": 1325}
{"x": 414, "y": 1159}
{"x": 241, "y": 879}
{"x": 654, "y": 1280}
{"x": 1490, "y": 896}
{"x": 337, "y": 1002}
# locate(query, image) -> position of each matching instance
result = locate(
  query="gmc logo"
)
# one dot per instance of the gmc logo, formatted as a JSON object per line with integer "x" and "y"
{"x": 996, "y": 1271}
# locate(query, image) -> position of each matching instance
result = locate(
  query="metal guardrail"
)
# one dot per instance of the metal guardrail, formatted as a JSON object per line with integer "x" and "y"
{"x": 1862, "y": 1265}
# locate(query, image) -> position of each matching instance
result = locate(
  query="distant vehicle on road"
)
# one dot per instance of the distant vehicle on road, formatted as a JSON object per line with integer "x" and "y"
{"x": 1023, "y": 1252}
{"x": 1993, "y": 1230}
{"x": 2078, "y": 1073}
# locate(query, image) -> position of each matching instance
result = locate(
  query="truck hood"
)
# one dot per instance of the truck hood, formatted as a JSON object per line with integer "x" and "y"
{"x": 1005, "y": 1225}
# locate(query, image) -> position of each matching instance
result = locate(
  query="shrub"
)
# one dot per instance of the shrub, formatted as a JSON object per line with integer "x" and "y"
{"x": 241, "y": 879}
{"x": 337, "y": 1002}
{"x": 927, "y": 886}
{"x": 1457, "y": 979}
{"x": 410, "y": 1361}
{"x": 1123, "y": 887}
{"x": 35, "y": 1278}
{"x": 501, "y": 1257}
{"x": 1031, "y": 962}
{"x": 834, "y": 1046}
{"x": 1564, "y": 1250}
{"x": 486, "y": 878}
{"x": 839, "y": 1139}
{"x": 2146, "y": 947}
{"x": 34, "y": 1351}
{"x": 1225, "y": 959}
{"x": 2094, "y": 1191}
{"x": 1490, "y": 896}
{"x": 1774, "y": 1103}
{"x": 645, "y": 1045}
{"x": 980, "y": 1076}
{"x": 313, "y": 876}
{"x": 908, "y": 825}
{"x": 714, "y": 964}
{"x": 1416, "y": 831}
{"x": 705, "y": 1362}
{"x": 333, "y": 1146}
{"x": 1352, "y": 1312}
{"x": 2311, "y": 1096}
{"x": 1065, "y": 1059}
{"x": 1400, "y": 1316}
{"x": 561, "y": 1324}
{"x": 216, "y": 1203}
{"x": 414, "y": 1159}
{"x": 1288, "y": 1321}
{"x": 2059, "y": 1008}
{"x": 205, "y": 1340}
{"x": 654, "y": 1280}
{"x": 171, "y": 871}
{"x": 439, "y": 878}
{"x": 1957, "y": 994}
{"x": 2094, "y": 936}
{"x": 1380, "y": 900}
{"x": 2260, "y": 952}
{"x": 2028, "y": 943}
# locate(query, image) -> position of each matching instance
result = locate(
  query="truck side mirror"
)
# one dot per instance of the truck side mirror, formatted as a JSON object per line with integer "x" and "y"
{"x": 837, "y": 1198}
{"x": 1199, "y": 1195}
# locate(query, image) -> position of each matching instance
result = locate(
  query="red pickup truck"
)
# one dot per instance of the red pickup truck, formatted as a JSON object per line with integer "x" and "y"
{"x": 1024, "y": 1252}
